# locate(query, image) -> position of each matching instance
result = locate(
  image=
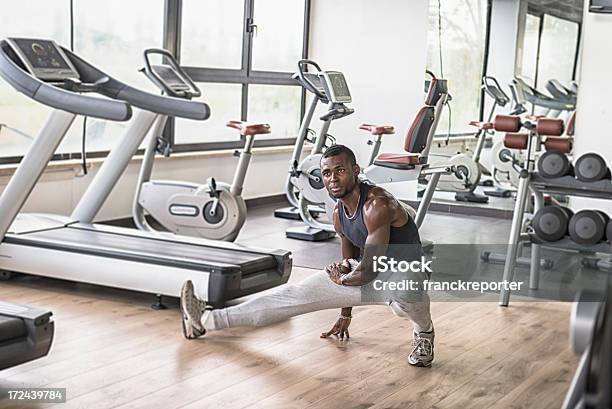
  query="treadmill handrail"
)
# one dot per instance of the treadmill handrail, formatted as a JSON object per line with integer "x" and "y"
{"x": 535, "y": 97}
{"x": 159, "y": 104}
{"x": 59, "y": 98}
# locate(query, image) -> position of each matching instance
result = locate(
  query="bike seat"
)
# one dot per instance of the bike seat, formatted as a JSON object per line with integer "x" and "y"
{"x": 397, "y": 160}
{"x": 534, "y": 118}
{"x": 482, "y": 125}
{"x": 250, "y": 128}
{"x": 378, "y": 129}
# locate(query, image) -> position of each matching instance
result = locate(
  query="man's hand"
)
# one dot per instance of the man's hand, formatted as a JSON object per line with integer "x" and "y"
{"x": 337, "y": 270}
{"x": 340, "y": 329}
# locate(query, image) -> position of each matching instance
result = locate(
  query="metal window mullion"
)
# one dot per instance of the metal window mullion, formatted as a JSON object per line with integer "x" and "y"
{"x": 229, "y": 76}
{"x": 247, "y": 55}
{"x": 577, "y": 53}
{"x": 172, "y": 26}
{"x": 226, "y": 145}
{"x": 305, "y": 50}
{"x": 206, "y": 146}
{"x": 538, "y": 50}
{"x": 247, "y": 36}
{"x": 485, "y": 61}
{"x": 173, "y": 10}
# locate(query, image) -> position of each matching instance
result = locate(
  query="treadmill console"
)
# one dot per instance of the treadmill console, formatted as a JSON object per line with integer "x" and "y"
{"x": 336, "y": 87}
{"x": 44, "y": 59}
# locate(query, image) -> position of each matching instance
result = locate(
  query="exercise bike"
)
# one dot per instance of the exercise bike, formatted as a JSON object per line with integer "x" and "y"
{"x": 305, "y": 184}
{"x": 468, "y": 169}
{"x": 307, "y": 135}
{"x": 215, "y": 210}
{"x": 385, "y": 167}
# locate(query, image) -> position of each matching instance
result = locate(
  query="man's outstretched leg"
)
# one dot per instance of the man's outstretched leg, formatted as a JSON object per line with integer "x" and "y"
{"x": 315, "y": 293}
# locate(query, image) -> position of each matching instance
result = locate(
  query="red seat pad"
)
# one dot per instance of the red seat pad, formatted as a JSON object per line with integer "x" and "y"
{"x": 378, "y": 129}
{"x": 516, "y": 140}
{"x": 482, "y": 125}
{"x": 399, "y": 158}
{"x": 249, "y": 128}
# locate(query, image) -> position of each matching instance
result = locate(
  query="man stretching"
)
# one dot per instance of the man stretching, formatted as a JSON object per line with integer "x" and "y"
{"x": 369, "y": 221}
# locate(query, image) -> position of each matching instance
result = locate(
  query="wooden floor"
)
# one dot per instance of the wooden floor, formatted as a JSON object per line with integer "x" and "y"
{"x": 111, "y": 350}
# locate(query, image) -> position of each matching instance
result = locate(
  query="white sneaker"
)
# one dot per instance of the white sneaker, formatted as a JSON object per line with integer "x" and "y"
{"x": 192, "y": 309}
{"x": 423, "y": 349}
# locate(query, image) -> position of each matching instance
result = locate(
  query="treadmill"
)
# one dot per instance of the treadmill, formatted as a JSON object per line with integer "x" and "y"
{"x": 74, "y": 248}
{"x": 25, "y": 334}
{"x": 554, "y": 105}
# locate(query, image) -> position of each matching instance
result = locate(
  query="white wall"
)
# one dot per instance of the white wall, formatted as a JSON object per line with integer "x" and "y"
{"x": 381, "y": 47}
{"x": 594, "y": 110}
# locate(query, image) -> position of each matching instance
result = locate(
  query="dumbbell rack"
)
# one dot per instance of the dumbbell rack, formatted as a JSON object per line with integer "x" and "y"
{"x": 566, "y": 185}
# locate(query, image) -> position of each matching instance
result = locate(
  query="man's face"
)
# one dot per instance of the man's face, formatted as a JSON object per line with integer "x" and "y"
{"x": 339, "y": 176}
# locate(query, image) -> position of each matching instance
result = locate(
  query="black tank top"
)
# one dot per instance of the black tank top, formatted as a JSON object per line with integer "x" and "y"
{"x": 355, "y": 230}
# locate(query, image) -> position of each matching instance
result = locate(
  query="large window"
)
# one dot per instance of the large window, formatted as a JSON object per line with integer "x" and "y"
{"x": 240, "y": 52}
{"x": 557, "y": 50}
{"x": 243, "y": 66}
{"x": 224, "y": 100}
{"x": 205, "y": 42}
{"x": 277, "y": 45}
{"x": 21, "y": 117}
{"x": 456, "y": 47}
{"x": 527, "y": 65}
{"x": 113, "y": 38}
{"x": 280, "y": 106}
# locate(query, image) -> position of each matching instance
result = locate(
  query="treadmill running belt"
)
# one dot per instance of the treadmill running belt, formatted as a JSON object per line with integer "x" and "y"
{"x": 146, "y": 249}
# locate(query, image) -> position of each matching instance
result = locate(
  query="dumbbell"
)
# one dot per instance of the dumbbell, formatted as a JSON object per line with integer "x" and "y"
{"x": 609, "y": 231}
{"x": 550, "y": 223}
{"x": 591, "y": 167}
{"x": 588, "y": 226}
{"x": 554, "y": 164}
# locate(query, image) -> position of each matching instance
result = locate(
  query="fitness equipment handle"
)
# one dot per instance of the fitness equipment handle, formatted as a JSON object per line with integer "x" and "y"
{"x": 159, "y": 104}
{"x": 164, "y": 105}
{"x": 159, "y": 81}
{"x": 306, "y": 82}
{"x": 493, "y": 88}
{"x": 337, "y": 112}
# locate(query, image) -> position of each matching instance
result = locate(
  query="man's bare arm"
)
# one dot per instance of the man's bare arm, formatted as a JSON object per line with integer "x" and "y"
{"x": 378, "y": 216}
{"x": 340, "y": 328}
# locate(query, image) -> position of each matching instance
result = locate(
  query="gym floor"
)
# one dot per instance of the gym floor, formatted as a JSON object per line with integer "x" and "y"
{"x": 111, "y": 350}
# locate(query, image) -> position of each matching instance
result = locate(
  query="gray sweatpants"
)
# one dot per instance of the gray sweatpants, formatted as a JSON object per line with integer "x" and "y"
{"x": 314, "y": 293}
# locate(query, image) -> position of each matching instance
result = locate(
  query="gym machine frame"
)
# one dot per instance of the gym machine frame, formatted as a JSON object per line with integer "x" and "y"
{"x": 529, "y": 180}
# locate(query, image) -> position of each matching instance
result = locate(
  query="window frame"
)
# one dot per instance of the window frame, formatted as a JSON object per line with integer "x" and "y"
{"x": 539, "y": 14}
{"x": 481, "y": 106}
{"x": 244, "y": 76}
{"x": 171, "y": 40}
